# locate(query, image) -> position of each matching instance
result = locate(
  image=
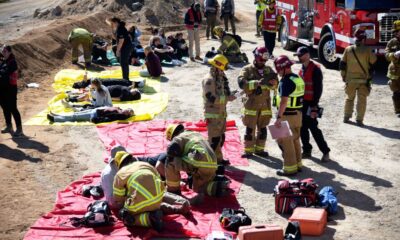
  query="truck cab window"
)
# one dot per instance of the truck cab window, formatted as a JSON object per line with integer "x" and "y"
{"x": 340, "y": 3}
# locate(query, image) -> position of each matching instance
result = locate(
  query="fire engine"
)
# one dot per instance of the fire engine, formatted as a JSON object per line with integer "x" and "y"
{"x": 328, "y": 25}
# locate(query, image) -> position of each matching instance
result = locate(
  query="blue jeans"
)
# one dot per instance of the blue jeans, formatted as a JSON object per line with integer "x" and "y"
{"x": 82, "y": 116}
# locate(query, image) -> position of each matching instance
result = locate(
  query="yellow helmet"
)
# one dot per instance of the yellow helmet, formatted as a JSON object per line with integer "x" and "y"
{"x": 120, "y": 157}
{"x": 219, "y": 61}
{"x": 171, "y": 129}
{"x": 218, "y": 30}
{"x": 396, "y": 26}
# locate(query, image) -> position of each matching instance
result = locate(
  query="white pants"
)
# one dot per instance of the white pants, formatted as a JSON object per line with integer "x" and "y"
{"x": 194, "y": 36}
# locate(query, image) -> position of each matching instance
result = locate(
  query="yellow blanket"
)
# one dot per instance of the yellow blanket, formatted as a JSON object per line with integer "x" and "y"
{"x": 152, "y": 102}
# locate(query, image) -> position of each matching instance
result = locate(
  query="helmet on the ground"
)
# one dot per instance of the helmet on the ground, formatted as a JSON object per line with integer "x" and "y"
{"x": 360, "y": 34}
{"x": 120, "y": 157}
{"x": 218, "y": 30}
{"x": 282, "y": 62}
{"x": 396, "y": 26}
{"x": 219, "y": 61}
{"x": 270, "y": 2}
{"x": 261, "y": 54}
{"x": 172, "y": 129}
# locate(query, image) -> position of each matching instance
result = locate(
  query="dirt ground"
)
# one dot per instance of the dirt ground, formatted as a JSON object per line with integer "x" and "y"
{"x": 364, "y": 169}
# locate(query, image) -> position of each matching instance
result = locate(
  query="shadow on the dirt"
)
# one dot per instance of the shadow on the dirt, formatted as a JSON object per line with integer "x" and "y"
{"x": 27, "y": 143}
{"x": 384, "y": 132}
{"x": 15, "y": 154}
{"x": 333, "y": 165}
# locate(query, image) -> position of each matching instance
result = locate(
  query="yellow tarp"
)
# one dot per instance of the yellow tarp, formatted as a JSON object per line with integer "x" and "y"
{"x": 152, "y": 102}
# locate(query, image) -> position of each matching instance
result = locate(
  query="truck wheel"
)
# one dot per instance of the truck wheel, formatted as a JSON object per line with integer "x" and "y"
{"x": 327, "y": 51}
{"x": 286, "y": 43}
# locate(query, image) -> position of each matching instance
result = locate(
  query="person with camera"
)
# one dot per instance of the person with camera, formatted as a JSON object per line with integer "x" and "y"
{"x": 312, "y": 76}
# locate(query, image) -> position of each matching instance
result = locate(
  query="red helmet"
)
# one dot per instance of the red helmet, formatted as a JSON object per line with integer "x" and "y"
{"x": 360, "y": 34}
{"x": 261, "y": 54}
{"x": 282, "y": 62}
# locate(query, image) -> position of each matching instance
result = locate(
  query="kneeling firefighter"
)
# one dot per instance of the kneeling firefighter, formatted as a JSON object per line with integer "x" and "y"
{"x": 230, "y": 47}
{"x": 191, "y": 153}
{"x": 257, "y": 80}
{"x": 140, "y": 195}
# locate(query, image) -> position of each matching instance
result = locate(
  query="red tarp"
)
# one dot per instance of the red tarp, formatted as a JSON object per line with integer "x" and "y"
{"x": 148, "y": 138}
{"x": 70, "y": 203}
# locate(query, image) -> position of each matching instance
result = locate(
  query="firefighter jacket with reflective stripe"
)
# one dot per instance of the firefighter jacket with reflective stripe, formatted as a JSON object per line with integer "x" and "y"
{"x": 215, "y": 94}
{"x": 138, "y": 187}
{"x": 296, "y": 97}
{"x": 80, "y": 33}
{"x": 394, "y": 66}
{"x": 353, "y": 72}
{"x": 229, "y": 46}
{"x": 260, "y": 5}
{"x": 257, "y": 97}
{"x": 270, "y": 20}
{"x": 307, "y": 76}
{"x": 195, "y": 151}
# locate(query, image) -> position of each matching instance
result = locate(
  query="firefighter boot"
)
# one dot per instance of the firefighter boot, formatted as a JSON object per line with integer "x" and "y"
{"x": 156, "y": 220}
{"x": 396, "y": 103}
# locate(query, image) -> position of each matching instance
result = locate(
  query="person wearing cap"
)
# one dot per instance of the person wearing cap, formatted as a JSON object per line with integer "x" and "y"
{"x": 192, "y": 21}
{"x": 392, "y": 53}
{"x": 260, "y": 6}
{"x": 189, "y": 152}
{"x": 229, "y": 46}
{"x": 81, "y": 37}
{"x": 312, "y": 76}
{"x": 270, "y": 21}
{"x": 289, "y": 102}
{"x": 140, "y": 195}
{"x": 356, "y": 67}
{"x": 216, "y": 94}
{"x": 257, "y": 80}
{"x": 9, "y": 91}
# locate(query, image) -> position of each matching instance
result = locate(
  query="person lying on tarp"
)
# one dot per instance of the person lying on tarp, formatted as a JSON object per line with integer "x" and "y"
{"x": 140, "y": 195}
{"x": 111, "y": 169}
{"x": 109, "y": 82}
{"x": 97, "y": 115}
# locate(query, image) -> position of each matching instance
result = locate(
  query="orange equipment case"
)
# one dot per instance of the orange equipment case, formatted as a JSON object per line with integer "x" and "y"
{"x": 312, "y": 220}
{"x": 260, "y": 232}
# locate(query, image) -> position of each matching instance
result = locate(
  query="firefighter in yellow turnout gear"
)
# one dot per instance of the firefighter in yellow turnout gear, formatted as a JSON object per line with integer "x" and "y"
{"x": 216, "y": 94}
{"x": 392, "y": 53}
{"x": 257, "y": 80}
{"x": 141, "y": 194}
{"x": 81, "y": 37}
{"x": 191, "y": 153}
{"x": 229, "y": 47}
{"x": 289, "y": 102}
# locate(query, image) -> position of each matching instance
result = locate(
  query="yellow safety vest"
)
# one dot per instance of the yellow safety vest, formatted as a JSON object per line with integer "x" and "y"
{"x": 296, "y": 97}
{"x": 194, "y": 144}
{"x": 261, "y": 5}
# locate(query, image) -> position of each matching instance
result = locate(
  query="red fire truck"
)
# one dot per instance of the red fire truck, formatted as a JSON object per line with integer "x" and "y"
{"x": 328, "y": 25}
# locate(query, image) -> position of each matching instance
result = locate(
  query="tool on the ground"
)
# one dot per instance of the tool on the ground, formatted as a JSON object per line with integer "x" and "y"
{"x": 98, "y": 214}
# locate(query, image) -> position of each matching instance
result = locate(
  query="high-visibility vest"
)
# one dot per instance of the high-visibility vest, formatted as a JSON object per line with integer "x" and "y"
{"x": 195, "y": 144}
{"x": 269, "y": 23}
{"x": 296, "y": 97}
{"x": 261, "y": 5}
{"x": 308, "y": 81}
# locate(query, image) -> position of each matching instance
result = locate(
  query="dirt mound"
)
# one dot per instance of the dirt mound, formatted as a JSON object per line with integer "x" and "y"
{"x": 156, "y": 12}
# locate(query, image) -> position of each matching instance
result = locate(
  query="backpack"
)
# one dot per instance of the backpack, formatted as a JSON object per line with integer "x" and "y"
{"x": 98, "y": 214}
{"x": 226, "y": 6}
{"x": 328, "y": 199}
{"x": 237, "y": 38}
{"x": 291, "y": 194}
{"x": 232, "y": 219}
